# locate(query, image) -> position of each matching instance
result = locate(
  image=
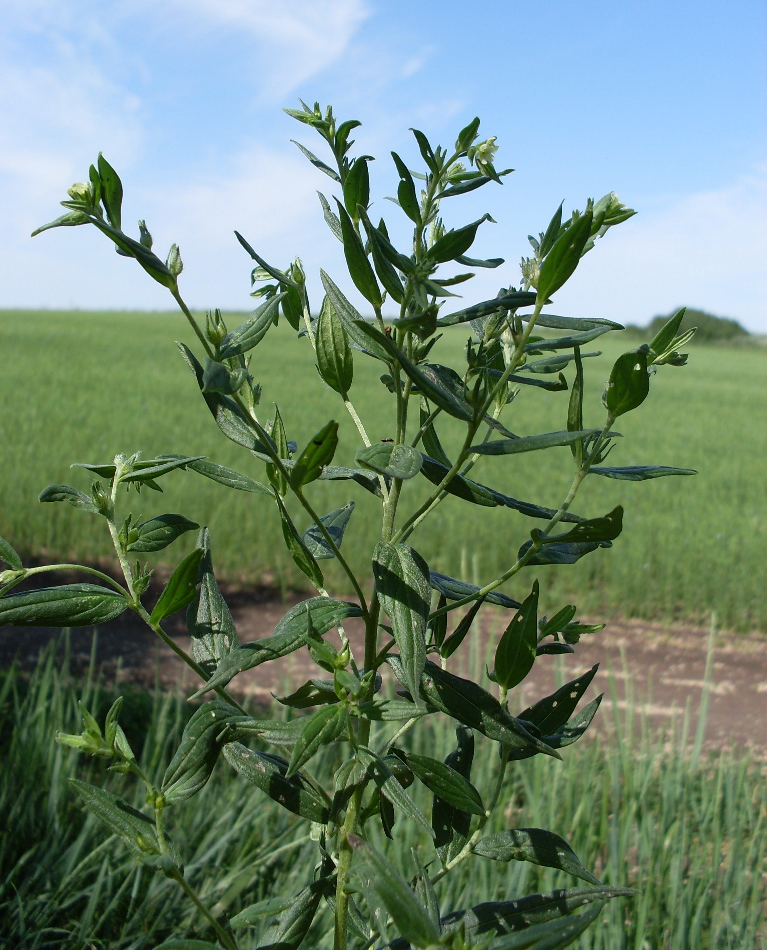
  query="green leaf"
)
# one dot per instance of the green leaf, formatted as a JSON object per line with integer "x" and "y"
{"x": 565, "y": 342}
{"x": 455, "y": 243}
{"x": 72, "y": 496}
{"x": 9, "y": 555}
{"x": 456, "y": 638}
{"x": 391, "y": 787}
{"x": 375, "y": 872}
{"x": 335, "y": 523}
{"x": 111, "y": 191}
{"x": 403, "y": 586}
{"x": 467, "y": 702}
{"x": 389, "y": 458}
{"x": 561, "y": 552}
{"x": 311, "y": 693}
{"x": 265, "y": 908}
{"x": 575, "y": 409}
{"x": 549, "y": 715}
{"x": 516, "y": 650}
{"x": 536, "y": 846}
{"x": 334, "y": 355}
{"x": 426, "y": 151}
{"x": 573, "y": 323}
{"x": 360, "y": 269}
{"x": 69, "y": 220}
{"x": 282, "y": 279}
{"x": 159, "y": 532}
{"x": 382, "y": 252}
{"x": 151, "y": 469}
{"x": 513, "y": 918}
{"x": 350, "y": 317}
{"x": 451, "y": 825}
{"x": 317, "y": 454}
{"x": 663, "y": 339}
{"x": 302, "y": 556}
{"x": 208, "y": 619}
{"x": 319, "y": 729}
{"x": 406, "y": 193}
{"x": 267, "y": 772}
{"x": 629, "y": 383}
{"x": 276, "y": 479}
{"x": 290, "y": 927}
{"x": 225, "y": 476}
{"x": 180, "y": 589}
{"x": 555, "y": 935}
{"x": 289, "y": 635}
{"x": 252, "y": 331}
{"x": 136, "y": 830}
{"x": 445, "y": 782}
{"x": 606, "y": 528}
{"x": 330, "y": 219}
{"x": 640, "y": 473}
{"x": 201, "y": 743}
{"x": 531, "y": 443}
{"x": 356, "y": 187}
{"x": 561, "y": 261}
{"x": 511, "y": 301}
{"x": 390, "y": 710}
{"x": 71, "y": 605}
{"x": 456, "y": 590}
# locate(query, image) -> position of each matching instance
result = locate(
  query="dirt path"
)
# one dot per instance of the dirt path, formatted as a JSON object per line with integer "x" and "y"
{"x": 658, "y": 668}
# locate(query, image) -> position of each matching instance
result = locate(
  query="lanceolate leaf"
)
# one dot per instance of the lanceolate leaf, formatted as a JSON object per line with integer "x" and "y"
{"x": 71, "y": 605}
{"x": 302, "y": 556}
{"x": 360, "y": 269}
{"x": 225, "y": 476}
{"x": 334, "y": 355}
{"x": 639, "y": 473}
{"x": 180, "y": 589}
{"x": 136, "y": 830}
{"x": 194, "y": 760}
{"x": 289, "y": 634}
{"x": 9, "y": 555}
{"x": 550, "y": 714}
{"x": 530, "y": 443}
{"x": 288, "y": 930}
{"x": 388, "y": 458}
{"x": 252, "y": 331}
{"x": 319, "y": 729}
{"x": 536, "y": 846}
{"x": 267, "y": 772}
{"x": 403, "y": 586}
{"x": 318, "y": 453}
{"x": 566, "y": 342}
{"x": 516, "y": 651}
{"x": 445, "y": 782}
{"x": 72, "y": 496}
{"x": 391, "y": 787}
{"x": 512, "y": 301}
{"x": 473, "y": 706}
{"x": 208, "y": 619}
{"x": 159, "y": 532}
{"x": 629, "y": 383}
{"x": 561, "y": 261}
{"x": 350, "y": 317}
{"x": 451, "y": 825}
{"x": 335, "y": 523}
{"x": 573, "y": 323}
{"x": 375, "y": 872}
{"x": 456, "y": 590}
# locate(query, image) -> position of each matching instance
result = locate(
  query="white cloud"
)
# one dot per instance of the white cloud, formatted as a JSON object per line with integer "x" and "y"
{"x": 706, "y": 250}
{"x": 294, "y": 41}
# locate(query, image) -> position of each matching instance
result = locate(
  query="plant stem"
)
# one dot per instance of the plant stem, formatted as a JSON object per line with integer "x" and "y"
{"x": 224, "y": 938}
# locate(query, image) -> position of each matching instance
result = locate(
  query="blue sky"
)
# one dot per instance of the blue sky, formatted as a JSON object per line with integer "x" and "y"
{"x": 661, "y": 101}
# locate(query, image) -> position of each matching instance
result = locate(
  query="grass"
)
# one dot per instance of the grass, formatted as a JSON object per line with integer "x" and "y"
{"x": 81, "y": 386}
{"x": 643, "y": 810}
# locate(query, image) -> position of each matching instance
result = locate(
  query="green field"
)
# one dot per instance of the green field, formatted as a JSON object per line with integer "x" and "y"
{"x": 685, "y": 830}
{"x": 80, "y": 387}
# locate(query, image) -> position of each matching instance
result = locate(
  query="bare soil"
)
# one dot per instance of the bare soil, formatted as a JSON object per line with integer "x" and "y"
{"x": 654, "y": 668}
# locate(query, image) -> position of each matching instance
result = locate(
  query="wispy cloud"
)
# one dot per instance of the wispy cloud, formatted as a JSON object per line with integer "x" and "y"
{"x": 704, "y": 250}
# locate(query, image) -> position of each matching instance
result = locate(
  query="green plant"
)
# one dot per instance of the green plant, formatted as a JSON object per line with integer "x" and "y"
{"x": 364, "y": 772}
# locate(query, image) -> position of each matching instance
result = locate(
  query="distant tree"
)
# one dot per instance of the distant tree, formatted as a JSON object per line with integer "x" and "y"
{"x": 711, "y": 329}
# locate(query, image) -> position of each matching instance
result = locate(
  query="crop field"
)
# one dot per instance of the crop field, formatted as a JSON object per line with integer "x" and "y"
{"x": 687, "y": 831}
{"x": 81, "y": 387}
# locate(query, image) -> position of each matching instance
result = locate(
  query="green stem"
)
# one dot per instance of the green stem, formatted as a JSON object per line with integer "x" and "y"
{"x": 193, "y": 323}
{"x": 224, "y": 938}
